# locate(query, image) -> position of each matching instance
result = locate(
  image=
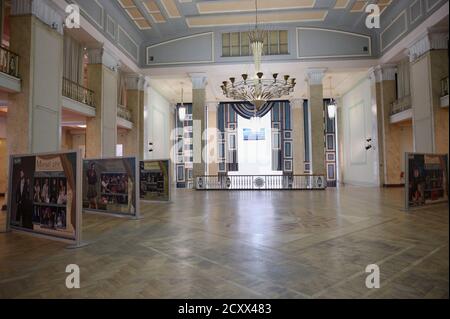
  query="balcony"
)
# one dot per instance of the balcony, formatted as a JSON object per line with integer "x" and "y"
{"x": 124, "y": 117}
{"x": 401, "y": 110}
{"x": 123, "y": 113}
{"x": 76, "y": 92}
{"x": 9, "y": 62}
{"x": 9, "y": 70}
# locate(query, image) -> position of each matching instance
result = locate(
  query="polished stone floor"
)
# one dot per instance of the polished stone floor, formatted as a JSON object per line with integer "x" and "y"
{"x": 244, "y": 245}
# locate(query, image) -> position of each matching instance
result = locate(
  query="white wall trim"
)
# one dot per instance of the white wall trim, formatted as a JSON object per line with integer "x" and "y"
{"x": 147, "y": 49}
{"x": 403, "y": 13}
{"x": 406, "y": 42}
{"x": 131, "y": 39}
{"x": 332, "y": 56}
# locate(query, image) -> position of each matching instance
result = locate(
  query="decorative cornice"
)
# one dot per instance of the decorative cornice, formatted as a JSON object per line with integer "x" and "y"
{"x": 41, "y": 10}
{"x": 136, "y": 82}
{"x": 432, "y": 40}
{"x": 382, "y": 73}
{"x": 199, "y": 80}
{"x": 315, "y": 76}
{"x": 296, "y": 103}
{"x": 102, "y": 56}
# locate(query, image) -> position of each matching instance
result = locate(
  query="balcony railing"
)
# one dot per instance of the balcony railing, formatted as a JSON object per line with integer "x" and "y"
{"x": 261, "y": 182}
{"x": 124, "y": 113}
{"x": 76, "y": 92}
{"x": 9, "y": 62}
{"x": 401, "y": 105}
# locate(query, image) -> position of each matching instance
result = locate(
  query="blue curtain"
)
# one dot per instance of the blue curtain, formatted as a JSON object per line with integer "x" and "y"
{"x": 247, "y": 110}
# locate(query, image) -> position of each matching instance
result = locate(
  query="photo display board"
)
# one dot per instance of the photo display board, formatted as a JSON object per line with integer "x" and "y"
{"x": 45, "y": 195}
{"x": 155, "y": 180}
{"x": 109, "y": 186}
{"x": 426, "y": 179}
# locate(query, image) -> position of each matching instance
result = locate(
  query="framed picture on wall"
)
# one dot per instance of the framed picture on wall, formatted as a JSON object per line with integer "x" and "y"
{"x": 330, "y": 142}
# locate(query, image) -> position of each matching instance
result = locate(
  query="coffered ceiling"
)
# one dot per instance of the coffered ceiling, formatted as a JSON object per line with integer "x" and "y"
{"x": 163, "y": 18}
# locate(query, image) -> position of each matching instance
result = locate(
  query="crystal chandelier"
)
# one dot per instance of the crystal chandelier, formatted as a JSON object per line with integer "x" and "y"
{"x": 258, "y": 90}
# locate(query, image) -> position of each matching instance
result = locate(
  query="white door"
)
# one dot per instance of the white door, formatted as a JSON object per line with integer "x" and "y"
{"x": 158, "y": 134}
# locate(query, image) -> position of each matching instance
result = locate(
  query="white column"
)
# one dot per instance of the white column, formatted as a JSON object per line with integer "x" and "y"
{"x": 315, "y": 92}
{"x": 101, "y": 131}
{"x": 199, "y": 82}
{"x": 422, "y": 95}
{"x": 298, "y": 133}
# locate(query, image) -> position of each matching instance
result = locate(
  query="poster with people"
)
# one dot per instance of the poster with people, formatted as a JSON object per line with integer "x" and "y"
{"x": 154, "y": 180}
{"x": 427, "y": 179}
{"x": 109, "y": 186}
{"x": 43, "y": 195}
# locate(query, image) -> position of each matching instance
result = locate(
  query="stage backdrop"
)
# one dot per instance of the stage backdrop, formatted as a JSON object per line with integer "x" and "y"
{"x": 155, "y": 180}
{"x": 45, "y": 195}
{"x": 109, "y": 186}
{"x": 426, "y": 179}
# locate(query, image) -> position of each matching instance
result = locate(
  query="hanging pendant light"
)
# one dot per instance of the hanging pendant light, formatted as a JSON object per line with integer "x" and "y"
{"x": 182, "y": 109}
{"x": 332, "y": 106}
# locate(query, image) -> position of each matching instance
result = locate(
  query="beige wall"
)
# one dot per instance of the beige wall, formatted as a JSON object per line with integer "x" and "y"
{"x": 406, "y": 144}
{"x": 66, "y": 139}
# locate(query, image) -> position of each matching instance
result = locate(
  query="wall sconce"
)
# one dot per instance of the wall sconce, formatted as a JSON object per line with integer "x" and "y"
{"x": 182, "y": 113}
{"x": 332, "y": 107}
{"x": 182, "y": 108}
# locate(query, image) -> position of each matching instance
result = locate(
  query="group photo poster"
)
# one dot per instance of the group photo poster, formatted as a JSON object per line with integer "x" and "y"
{"x": 110, "y": 186}
{"x": 45, "y": 195}
{"x": 426, "y": 179}
{"x": 154, "y": 179}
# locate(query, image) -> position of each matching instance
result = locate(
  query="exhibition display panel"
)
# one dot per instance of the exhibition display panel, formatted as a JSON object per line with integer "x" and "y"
{"x": 45, "y": 195}
{"x": 109, "y": 186}
{"x": 426, "y": 179}
{"x": 154, "y": 180}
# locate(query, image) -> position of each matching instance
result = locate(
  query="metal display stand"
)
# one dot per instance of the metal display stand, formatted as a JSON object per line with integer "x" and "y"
{"x": 169, "y": 184}
{"x": 407, "y": 181}
{"x": 137, "y": 214}
{"x": 73, "y": 244}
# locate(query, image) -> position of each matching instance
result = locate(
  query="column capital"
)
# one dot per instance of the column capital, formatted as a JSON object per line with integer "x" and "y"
{"x": 136, "y": 82}
{"x": 433, "y": 39}
{"x": 103, "y": 56}
{"x": 199, "y": 80}
{"x": 315, "y": 76}
{"x": 41, "y": 10}
{"x": 296, "y": 103}
{"x": 382, "y": 73}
